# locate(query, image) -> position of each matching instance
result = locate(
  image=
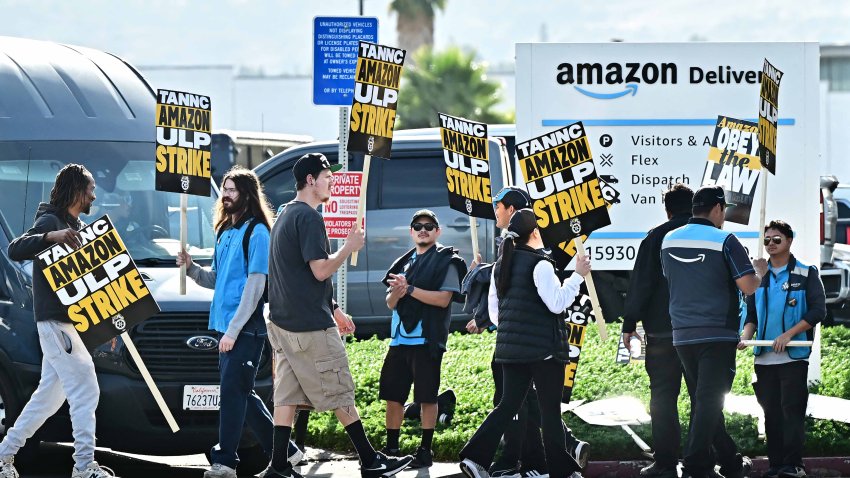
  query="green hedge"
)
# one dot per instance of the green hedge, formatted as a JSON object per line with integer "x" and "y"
{"x": 466, "y": 369}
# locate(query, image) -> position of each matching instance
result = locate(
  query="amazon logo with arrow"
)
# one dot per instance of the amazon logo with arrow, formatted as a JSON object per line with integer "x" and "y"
{"x": 583, "y": 76}
{"x": 698, "y": 258}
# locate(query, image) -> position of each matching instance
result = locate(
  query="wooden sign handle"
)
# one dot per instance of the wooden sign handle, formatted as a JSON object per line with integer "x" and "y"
{"x": 760, "y": 245}
{"x": 594, "y": 300}
{"x": 131, "y": 347}
{"x": 361, "y": 206}
{"x": 473, "y": 227}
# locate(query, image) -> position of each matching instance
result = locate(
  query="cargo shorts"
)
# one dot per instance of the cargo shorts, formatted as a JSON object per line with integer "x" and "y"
{"x": 311, "y": 369}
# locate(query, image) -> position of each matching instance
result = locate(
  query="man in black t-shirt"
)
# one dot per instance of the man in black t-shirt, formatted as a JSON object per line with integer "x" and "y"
{"x": 311, "y": 363}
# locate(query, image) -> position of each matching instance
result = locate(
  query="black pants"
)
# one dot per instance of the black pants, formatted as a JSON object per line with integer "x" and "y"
{"x": 523, "y": 442}
{"x": 548, "y": 378}
{"x": 665, "y": 381}
{"x": 709, "y": 371}
{"x": 783, "y": 394}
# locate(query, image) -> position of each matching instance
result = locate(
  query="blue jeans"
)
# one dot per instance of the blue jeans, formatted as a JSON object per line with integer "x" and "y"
{"x": 240, "y": 405}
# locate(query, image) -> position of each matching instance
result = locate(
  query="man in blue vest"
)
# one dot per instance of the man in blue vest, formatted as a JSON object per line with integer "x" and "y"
{"x": 786, "y": 307}
{"x": 705, "y": 268}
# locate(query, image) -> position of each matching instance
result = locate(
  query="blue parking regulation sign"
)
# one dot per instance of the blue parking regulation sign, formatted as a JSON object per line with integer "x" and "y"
{"x": 335, "y": 43}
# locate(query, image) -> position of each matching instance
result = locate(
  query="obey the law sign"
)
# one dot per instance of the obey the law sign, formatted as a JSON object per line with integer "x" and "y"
{"x": 340, "y": 212}
{"x": 98, "y": 284}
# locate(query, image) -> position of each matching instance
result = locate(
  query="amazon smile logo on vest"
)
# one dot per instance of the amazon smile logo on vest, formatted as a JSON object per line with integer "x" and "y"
{"x": 698, "y": 258}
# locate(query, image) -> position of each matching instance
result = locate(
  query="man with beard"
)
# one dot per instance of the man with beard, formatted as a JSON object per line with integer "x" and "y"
{"x": 422, "y": 284}
{"x": 311, "y": 363}
{"x": 67, "y": 370}
{"x": 238, "y": 276}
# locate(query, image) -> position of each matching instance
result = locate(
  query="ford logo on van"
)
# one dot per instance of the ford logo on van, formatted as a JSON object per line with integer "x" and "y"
{"x": 202, "y": 342}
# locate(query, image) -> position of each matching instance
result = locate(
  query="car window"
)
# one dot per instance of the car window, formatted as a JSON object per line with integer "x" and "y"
{"x": 413, "y": 183}
{"x": 843, "y": 210}
{"x": 280, "y": 187}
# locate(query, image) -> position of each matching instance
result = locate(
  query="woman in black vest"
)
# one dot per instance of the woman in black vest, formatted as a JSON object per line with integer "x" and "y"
{"x": 529, "y": 301}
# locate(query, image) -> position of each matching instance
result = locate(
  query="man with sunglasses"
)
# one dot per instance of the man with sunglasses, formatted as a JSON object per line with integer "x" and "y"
{"x": 705, "y": 268}
{"x": 421, "y": 287}
{"x": 787, "y": 305}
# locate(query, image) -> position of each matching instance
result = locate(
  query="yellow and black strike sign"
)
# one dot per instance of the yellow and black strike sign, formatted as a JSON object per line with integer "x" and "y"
{"x": 733, "y": 164}
{"x": 561, "y": 179}
{"x": 769, "y": 115}
{"x": 578, "y": 316}
{"x": 183, "y": 139}
{"x": 98, "y": 283}
{"x": 465, "y": 151}
{"x": 376, "y": 84}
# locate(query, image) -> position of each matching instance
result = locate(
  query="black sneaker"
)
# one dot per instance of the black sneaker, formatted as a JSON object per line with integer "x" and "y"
{"x": 422, "y": 459}
{"x": 385, "y": 466}
{"x": 792, "y": 472}
{"x": 287, "y": 472}
{"x": 391, "y": 451}
{"x": 509, "y": 473}
{"x": 658, "y": 471}
{"x": 580, "y": 450}
{"x": 772, "y": 472}
{"x": 742, "y": 472}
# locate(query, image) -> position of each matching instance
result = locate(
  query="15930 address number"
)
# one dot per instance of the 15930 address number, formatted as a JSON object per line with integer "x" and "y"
{"x": 611, "y": 253}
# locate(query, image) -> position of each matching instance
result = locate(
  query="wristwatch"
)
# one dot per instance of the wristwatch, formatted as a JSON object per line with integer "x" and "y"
{"x": 409, "y": 289}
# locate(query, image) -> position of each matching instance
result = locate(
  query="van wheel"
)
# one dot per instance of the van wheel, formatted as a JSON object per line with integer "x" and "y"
{"x": 10, "y": 408}
{"x": 252, "y": 460}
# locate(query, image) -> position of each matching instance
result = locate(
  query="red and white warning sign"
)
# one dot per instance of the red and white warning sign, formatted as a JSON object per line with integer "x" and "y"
{"x": 340, "y": 212}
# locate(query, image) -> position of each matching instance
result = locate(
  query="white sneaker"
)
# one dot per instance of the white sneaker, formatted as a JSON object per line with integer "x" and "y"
{"x": 220, "y": 471}
{"x": 576, "y": 474}
{"x": 93, "y": 471}
{"x": 533, "y": 474}
{"x": 472, "y": 469}
{"x": 7, "y": 467}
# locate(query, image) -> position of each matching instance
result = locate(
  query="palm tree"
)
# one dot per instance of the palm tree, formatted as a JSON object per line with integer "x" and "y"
{"x": 415, "y": 23}
{"x": 450, "y": 82}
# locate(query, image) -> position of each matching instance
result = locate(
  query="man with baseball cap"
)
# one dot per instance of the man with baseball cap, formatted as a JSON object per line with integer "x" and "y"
{"x": 705, "y": 269}
{"x": 311, "y": 363}
{"x": 422, "y": 284}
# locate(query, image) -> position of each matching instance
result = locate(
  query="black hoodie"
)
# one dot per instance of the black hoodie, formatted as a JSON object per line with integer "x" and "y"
{"x": 47, "y": 219}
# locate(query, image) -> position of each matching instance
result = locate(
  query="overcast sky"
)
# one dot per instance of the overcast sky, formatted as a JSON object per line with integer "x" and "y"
{"x": 276, "y": 35}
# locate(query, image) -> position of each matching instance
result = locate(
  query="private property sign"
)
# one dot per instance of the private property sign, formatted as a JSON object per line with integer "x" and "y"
{"x": 340, "y": 212}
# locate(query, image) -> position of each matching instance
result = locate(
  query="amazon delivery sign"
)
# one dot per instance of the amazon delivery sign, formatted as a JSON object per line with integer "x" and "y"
{"x": 650, "y": 111}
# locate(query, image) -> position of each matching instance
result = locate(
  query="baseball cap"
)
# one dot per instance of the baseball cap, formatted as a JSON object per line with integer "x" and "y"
{"x": 512, "y": 196}
{"x": 424, "y": 213}
{"x": 709, "y": 196}
{"x": 312, "y": 164}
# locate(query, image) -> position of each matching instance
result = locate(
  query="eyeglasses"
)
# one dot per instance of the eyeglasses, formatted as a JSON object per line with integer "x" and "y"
{"x": 775, "y": 239}
{"x": 429, "y": 226}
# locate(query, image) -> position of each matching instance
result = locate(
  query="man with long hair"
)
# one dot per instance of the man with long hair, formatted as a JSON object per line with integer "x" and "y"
{"x": 238, "y": 276}
{"x": 67, "y": 370}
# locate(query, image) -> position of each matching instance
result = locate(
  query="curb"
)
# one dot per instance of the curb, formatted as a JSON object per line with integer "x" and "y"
{"x": 815, "y": 466}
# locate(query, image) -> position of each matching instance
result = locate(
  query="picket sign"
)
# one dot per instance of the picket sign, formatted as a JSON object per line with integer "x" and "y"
{"x": 361, "y": 208}
{"x": 140, "y": 364}
{"x": 473, "y": 227}
{"x": 769, "y": 343}
{"x": 591, "y": 290}
{"x": 760, "y": 245}
{"x": 184, "y": 233}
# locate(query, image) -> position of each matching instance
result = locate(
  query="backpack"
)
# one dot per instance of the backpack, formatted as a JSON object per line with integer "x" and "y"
{"x": 246, "y": 241}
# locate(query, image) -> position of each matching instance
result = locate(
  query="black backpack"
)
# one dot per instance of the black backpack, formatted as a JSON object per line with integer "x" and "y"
{"x": 246, "y": 240}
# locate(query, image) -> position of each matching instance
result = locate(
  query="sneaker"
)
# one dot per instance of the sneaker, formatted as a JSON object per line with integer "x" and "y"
{"x": 536, "y": 474}
{"x": 580, "y": 452}
{"x": 658, "y": 471}
{"x": 391, "y": 451}
{"x": 510, "y": 473}
{"x": 742, "y": 472}
{"x": 96, "y": 471}
{"x": 294, "y": 455}
{"x": 287, "y": 472}
{"x": 772, "y": 472}
{"x": 792, "y": 472}
{"x": 217, "y": 470}
{"x": 422, "y": 459}
{"x": 575, "y": 474}
{"x": 472, "y": 469}
{"x": 7, "y": 467}
{"x": 385, "y": 466}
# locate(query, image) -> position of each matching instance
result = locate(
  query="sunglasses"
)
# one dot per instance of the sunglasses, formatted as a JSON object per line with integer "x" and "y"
{"x": 429, "y": 226}
{"x": 775, "y": 239}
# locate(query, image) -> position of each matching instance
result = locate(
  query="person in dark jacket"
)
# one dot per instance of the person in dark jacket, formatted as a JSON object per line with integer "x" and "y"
{"x": 422, "y": 284}
{"x": 787, "y": 305}
{"x": 648, "y": 301}
{"x": 67, "y": 370}
{"x": 528, "y": 301}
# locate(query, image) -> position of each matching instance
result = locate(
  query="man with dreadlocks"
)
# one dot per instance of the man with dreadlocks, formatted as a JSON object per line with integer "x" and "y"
{"x": 238, "y": 276}
{"x": 67, "y": 370}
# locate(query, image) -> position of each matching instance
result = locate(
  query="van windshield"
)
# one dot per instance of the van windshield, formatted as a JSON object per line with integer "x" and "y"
{"x": 147, "y": 220}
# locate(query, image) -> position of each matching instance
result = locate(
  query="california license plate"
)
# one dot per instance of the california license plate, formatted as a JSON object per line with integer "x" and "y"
{"x": 201, "y": 397}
